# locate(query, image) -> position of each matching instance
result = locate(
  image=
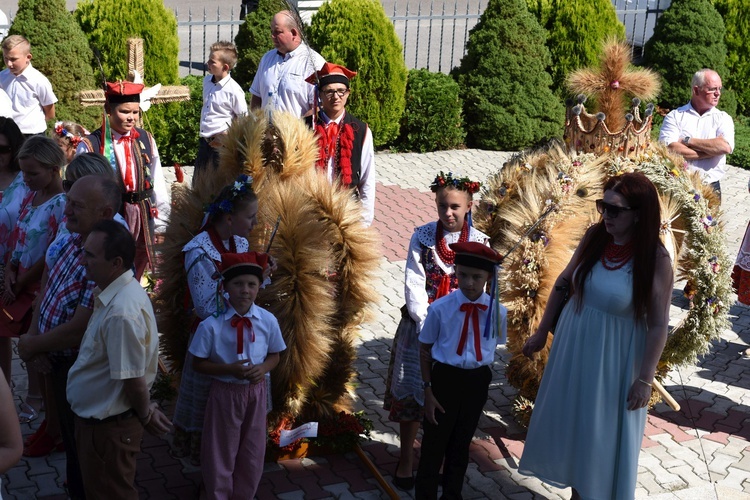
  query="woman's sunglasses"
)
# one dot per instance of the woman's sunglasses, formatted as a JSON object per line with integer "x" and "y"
{"x": 612, "y": 210}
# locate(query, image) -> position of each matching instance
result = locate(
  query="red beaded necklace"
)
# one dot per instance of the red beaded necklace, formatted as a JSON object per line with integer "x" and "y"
{"x": 446, "y": 254}
{"x": 618, "y": 255}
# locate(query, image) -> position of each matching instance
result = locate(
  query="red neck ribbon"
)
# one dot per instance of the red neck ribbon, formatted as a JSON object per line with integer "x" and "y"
{"x": 240, "y": 322}
{"x": 472, "y": 311}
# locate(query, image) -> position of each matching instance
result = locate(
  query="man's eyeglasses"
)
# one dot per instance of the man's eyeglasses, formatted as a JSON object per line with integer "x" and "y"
{"x": 612, "y": 210}
{"x": 4, "y": 150}
{"x": 713, "y": 90}
{"x": 330, "y": 93}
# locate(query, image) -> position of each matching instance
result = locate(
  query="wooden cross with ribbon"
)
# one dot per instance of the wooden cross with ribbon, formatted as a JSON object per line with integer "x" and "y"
{"x": 135, "y": 64}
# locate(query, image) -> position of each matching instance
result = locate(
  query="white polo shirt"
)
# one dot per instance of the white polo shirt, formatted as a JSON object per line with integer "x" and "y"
{"x": 444, "y": 325}
{"x": 686, "y": 122}
{"x": 280, "y": 80}
{"x": 222, "y": 102}
{"x": 28, "y": 92}
{"x": 216, "y": 339}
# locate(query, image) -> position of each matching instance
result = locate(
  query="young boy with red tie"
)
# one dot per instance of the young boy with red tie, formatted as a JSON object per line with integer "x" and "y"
{"x": 236, "y": 348}
{"x": 457, "y": 345}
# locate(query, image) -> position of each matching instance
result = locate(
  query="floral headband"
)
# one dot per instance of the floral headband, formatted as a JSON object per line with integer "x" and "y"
{"x": 242, "y": 185}
{"x": 462, "y": 183}
{"x": 75, "y": 140}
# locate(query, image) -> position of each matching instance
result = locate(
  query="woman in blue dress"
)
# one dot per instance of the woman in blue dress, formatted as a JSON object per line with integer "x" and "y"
{"x": 590, "y": 411}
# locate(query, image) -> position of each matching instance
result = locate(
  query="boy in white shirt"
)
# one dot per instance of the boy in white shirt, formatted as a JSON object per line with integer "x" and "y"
{"x": 236, "y": 348}
{"x": 30, "y": 91}
{"x": 223, "y": 101}
{"x": 457, "y": 347}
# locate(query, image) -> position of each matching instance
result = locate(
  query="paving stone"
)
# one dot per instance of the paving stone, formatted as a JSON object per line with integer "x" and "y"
{"x": 715, "y": 394}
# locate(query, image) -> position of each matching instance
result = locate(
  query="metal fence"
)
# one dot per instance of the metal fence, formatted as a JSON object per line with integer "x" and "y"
{"x": 433, "y": 32}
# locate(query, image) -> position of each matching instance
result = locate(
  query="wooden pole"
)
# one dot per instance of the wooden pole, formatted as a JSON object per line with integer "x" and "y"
{"x": 375, "y": 472}
{"x": 666, "y": 396}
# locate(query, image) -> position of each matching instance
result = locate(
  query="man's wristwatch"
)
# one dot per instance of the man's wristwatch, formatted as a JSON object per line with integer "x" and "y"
{"x": 685, "y": 140}
{"x": 425, "y": 385}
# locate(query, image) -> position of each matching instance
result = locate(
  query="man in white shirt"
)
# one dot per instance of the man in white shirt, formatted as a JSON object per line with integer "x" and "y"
{"x": 700, "y": 132}
{"x": 280, "y": 83}
{"x": 108, "y": 385}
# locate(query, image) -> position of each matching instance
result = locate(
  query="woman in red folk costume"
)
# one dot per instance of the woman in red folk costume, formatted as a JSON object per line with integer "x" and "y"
{"x": 429, "y": 275}
{"x": 346, "y": 147}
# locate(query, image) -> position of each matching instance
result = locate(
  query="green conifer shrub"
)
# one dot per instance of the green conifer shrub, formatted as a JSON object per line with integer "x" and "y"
{"x": 541, "y": 9}
{"x": 61, "y": 52}
{"x": 182, "y": 125}
{"x": 358, "y": 35}
{"x": 253, "y": 39}
{"x": 108, "y": 24}
{"x": 508, "y": 104}
{"x": 432, "y": 118}
{"x": 576, "y": 30}
{"x": 688, "y": 36}
{"x": 736, "y": 15}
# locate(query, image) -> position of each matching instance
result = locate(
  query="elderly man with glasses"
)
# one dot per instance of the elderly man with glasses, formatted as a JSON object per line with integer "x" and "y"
{"x": 345, "y": 143}
{"x": 700, "y": 132}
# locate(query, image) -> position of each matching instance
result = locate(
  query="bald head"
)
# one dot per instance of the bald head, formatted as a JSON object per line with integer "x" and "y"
{"x": 285, "y": 32}
{"x": 92, "y": 198}
{"x": 706, "y": 90}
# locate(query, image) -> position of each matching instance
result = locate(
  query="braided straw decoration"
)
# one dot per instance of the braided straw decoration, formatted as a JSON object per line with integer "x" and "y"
{"x": 135, "y": 55}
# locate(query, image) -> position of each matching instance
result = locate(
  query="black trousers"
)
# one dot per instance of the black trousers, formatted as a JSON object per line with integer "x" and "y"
{"x": 60, "y": 368}
{"x": 208, "y": 157}
{"x": 462, "y": 394}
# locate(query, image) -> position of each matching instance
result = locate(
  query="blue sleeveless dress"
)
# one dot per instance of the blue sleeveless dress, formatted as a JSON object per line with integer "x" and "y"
{"x": 581, "y": 433}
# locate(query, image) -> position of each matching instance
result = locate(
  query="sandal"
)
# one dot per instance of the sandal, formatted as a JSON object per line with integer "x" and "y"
{"x": 43, "y": 446}
{"x": 27, "y": 414}
{"x": 30, "y": 440}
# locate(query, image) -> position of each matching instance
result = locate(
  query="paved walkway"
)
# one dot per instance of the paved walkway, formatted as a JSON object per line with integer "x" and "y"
{"x": 701, "y": 453}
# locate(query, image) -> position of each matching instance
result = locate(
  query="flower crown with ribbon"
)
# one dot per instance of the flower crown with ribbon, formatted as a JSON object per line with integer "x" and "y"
{"x": 61, "y": 131}
{"x": 462, "y": 183}
{"x": 225, "y": 202}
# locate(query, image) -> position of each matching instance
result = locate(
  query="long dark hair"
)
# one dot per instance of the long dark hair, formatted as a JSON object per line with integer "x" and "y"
{"x": 641, "y": 194}
{"x": 10, "y": 130}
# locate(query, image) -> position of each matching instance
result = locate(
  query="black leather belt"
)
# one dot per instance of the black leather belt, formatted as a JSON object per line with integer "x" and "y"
{"x": 122, "y": 416}
{"x": 137, "y": 196}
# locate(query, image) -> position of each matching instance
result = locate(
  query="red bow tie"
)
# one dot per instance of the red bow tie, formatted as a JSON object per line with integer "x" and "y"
{"x": 472, "y": 311}
{"x": 132, "y": 136}
{"x": 240, "y": 322}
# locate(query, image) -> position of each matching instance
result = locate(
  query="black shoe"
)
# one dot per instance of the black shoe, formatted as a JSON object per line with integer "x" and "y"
{"x": 402, "y": 483}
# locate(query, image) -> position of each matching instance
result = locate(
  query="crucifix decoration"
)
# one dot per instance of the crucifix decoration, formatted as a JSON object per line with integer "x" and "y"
{"x": 162, "y": 95}
{"x": 614, "y": 128}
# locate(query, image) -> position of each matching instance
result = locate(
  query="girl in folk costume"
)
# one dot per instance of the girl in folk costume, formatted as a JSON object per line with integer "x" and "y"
{"x": 228, "y": 222}
{"x": 132, "y": 152}
{"x": 345, "y": 143}
{"x": 741, "y": 271}
{"x": 40, "y": 160}
{"x": 68, "y": 136}
{"x": 430, "y": 274}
